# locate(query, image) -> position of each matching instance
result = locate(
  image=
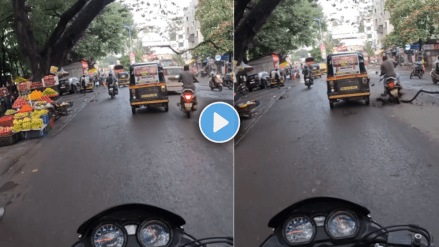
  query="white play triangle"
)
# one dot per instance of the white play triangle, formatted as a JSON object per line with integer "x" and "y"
{"x": 218, "y": 122}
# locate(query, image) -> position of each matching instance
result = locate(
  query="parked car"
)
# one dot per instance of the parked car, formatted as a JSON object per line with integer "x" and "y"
{"x": 264, "y": 78}
{"x": 253, "y": 81}
{"x": 69, "y": 85}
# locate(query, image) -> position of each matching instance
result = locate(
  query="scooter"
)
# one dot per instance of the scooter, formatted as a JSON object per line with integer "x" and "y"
{"x": 139, "y": 225}
{"x": 327, "y": 221}
{"x": 216, "y": 82}
{"x": 241, "y": 89}
{"x": 393, "y": 89}
{"x": 434, "y": 75}
{"x": 187, "y": 102}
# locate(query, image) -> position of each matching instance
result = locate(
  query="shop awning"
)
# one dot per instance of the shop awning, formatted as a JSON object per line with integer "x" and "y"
{"x": 378, "y": 52}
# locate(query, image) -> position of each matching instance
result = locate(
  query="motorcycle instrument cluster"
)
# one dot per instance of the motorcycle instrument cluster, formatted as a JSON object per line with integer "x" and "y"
{"x": 299, "y": 230}
{"x": 150, "y": 233}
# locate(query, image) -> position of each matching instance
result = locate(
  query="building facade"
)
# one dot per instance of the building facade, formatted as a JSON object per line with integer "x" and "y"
{"x": 190, "y": 34}
{"x": 381, "y": 23}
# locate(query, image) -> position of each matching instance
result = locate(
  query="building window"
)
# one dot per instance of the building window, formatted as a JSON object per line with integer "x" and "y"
{"x": 180, "y": 36}
{"x": 369, "y": 36}
{"x": 187, "y": 18}
{"x": 180, "y": 44}
{"x": 369, "y": 28}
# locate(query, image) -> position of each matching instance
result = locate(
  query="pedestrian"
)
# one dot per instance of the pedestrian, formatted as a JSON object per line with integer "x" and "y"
{"x": 83, "y": 84}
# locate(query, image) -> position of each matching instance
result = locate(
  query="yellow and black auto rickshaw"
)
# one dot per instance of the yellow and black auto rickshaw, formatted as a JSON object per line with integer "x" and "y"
{"x": 347, "y": 78}
{"x": 274, "y": 82}
{"x": 148, "y": 86}
{"x": 122, "y": 75}
{"x": 315, "y": 70}
{"x": 123, "y": 78}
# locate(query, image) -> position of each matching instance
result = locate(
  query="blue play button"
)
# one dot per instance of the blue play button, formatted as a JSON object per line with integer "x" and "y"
{"x": 219, "y": 122}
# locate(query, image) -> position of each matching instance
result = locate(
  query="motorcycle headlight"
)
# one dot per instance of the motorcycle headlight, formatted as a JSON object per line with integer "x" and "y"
{"x": 342, "y": 224}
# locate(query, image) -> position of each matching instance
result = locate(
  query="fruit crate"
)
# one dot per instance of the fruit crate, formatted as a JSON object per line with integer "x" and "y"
{"x": 9, "y": 140}
{"x": 33, "y": 134}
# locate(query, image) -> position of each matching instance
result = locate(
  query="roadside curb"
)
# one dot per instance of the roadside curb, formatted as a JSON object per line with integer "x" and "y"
{"x": 270, "y": 104}
{"x": 71, "y": 117}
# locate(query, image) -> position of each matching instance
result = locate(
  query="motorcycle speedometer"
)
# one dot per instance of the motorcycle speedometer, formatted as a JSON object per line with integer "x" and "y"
{"x": 299, "y": 230}
{"x": 342, "y": 224}
{"x": 109, "y": 235}
{"x": 154, "y": 233}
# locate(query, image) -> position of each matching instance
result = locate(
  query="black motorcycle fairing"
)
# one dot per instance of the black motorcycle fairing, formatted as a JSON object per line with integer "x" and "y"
{"x": 318, "y": 205}
{"x": 133, "y": 210}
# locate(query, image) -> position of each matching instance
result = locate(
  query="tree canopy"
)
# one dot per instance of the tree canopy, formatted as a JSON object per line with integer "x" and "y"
{"x": 412, "y": 20}
{"x": 216, "y": 23}
{"x": 292, "y": 24}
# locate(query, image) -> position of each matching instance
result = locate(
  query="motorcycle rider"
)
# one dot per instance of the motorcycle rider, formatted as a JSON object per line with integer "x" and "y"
{"x": 188, "y": 78}
{"x": 388, "y": 69}
{"x": 83, "y": 84}
{"x": 112, "y": 82}
{"x": 275, "y": 74}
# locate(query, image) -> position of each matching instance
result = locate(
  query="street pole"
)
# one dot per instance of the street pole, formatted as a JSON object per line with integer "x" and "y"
{"x": 131, "y": 42}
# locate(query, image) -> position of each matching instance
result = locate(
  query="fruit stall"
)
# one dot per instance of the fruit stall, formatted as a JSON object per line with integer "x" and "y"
{"x": 32, "y": 116}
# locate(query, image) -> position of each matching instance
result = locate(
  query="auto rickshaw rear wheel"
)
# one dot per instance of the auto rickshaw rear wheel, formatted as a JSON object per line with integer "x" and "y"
{"x": 133, "y": 109}
{"x": 367, "y": 100}
{"x": 331, "y": 104}
{"x": 166, "y": 107}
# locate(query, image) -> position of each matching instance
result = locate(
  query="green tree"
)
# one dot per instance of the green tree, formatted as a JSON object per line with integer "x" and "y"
{"x": 106, "y": 34}
{"x": 316, "y": 54}
{"x": 178, "y": 58}
{"x": 216, "y": 24}
{"x": 368, "y": 48}
{"x": 412, "y": 20}
{"x": 291, "y": 25}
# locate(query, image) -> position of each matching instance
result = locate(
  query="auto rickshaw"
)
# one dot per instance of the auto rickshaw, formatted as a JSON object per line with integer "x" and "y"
{"x": 347, "y": 78}
{"x": 315, "y": 70}
{"x": 123, "y": 79}
{"x": 274, "y": 81}
{"x": 148, "y": 86}
{"x": 323, "y": 68}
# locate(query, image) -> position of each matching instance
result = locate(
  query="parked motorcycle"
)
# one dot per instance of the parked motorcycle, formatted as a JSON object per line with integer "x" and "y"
{"x": 216, "y": 82}
{"x": 326, "y": 221}
{"x": 241, "y": 89}
{"x": 187, "y": 102}
{"x": 434, "y": 75}
{"x": 228, "y": 82}
{"x": 139, "y": 225}
{"x": 393, "y": 89}
{"x": 419, "y": 72}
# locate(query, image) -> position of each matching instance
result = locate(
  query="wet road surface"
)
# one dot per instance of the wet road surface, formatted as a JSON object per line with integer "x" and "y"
{"x": 384, "y": 158}
{"x": 105, "y": 157}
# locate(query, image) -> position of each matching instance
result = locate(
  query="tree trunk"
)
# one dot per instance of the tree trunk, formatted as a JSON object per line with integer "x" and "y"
{"x": 66, "y": 34}
{"x": 251, "y": 25}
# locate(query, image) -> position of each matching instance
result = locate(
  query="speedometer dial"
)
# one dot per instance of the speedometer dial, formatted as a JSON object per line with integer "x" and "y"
{"x": 154, "y": 234}
{"x": 342, "y": 224}
{"x": 299, "y": 230}
{"x": 109, "y": 235}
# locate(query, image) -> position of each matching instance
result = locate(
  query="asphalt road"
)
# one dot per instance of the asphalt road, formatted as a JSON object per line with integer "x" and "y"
{"x": 106, "y": 156}
{"x": 383, "y": 157}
